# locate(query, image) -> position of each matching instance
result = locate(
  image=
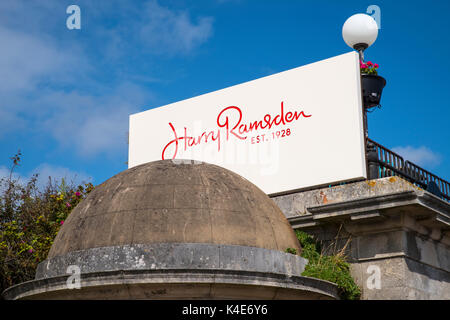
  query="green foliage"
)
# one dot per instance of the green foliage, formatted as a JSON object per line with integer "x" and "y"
{"x": 333, "y": 268}
{"x": 291, "y": 250}
{"x": 30, "y": 218}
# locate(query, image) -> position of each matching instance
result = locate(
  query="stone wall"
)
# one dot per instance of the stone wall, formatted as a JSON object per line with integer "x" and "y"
{"x": 399, "y": 234}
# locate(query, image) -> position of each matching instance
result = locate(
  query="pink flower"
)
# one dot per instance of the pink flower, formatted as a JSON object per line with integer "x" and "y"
{"x": 30, "y": 250}
{"x": 68, "y": 205}
{"x": 369, "y": 63}
{"x": 77, "y": 194}
{"x": 376, "y": 66}
{"x": 364, "y": 66}
{"x": 62, "y": 222}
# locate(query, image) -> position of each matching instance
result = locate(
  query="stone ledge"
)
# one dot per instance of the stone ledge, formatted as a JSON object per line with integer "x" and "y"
{"x": 174, "y": 256}
{"x": 416, "y": 210}
{"x": 296, "y": 204}
{"x": 177, "y": 284}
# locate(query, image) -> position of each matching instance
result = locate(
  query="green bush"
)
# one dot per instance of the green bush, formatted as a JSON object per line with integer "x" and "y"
{"x": 30, "y": 218}
{"x": 291, "y": 251}
{"x": 333, "y": 268}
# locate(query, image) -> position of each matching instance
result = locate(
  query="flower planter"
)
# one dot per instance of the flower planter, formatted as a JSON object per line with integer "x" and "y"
{"x": 372, "y": 87}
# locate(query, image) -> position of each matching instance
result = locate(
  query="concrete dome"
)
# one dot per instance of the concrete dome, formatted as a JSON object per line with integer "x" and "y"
{"x": 164, "y": 202}
{"x": 174, "y": 231}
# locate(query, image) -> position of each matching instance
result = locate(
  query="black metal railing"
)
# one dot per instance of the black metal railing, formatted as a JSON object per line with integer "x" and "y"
{"x": 386, "y": 163}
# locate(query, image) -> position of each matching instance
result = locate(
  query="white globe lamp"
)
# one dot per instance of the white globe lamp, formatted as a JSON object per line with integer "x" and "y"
{"x": 359, "y": 32}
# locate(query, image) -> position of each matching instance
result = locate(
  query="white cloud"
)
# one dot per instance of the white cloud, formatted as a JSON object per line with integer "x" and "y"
{"x": 93, "y": 124}
{"x": 44, "y": 171}
{"x": 149, "y": 28}
{"x": 58, "y": 173}
{"x": 421, "y": 156}
{"x": 26, "y": 62}
{"x": 4, "y": 172}
{"x": 25, "y": 59}
{"x": 34, "y": 16}
{"x": 173, "y": 32}
{"x": 84, "y": 123}
{"x": 38, "y": 68}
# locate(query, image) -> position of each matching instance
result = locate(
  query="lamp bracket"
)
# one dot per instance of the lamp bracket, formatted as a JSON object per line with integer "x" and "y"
{"x": 360, "y": 47}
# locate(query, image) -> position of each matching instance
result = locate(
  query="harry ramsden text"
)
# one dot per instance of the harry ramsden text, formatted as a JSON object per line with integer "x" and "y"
{"x": 230, "y": 125}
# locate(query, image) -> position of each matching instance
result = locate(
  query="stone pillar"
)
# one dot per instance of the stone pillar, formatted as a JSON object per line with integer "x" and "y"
{"x": 399, "y": 234}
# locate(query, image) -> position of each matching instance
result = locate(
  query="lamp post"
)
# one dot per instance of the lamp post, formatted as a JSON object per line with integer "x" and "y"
{"x": 359, "y": 32}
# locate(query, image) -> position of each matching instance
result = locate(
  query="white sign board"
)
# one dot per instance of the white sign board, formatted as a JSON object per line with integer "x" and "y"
{"x": 292, "y": 130}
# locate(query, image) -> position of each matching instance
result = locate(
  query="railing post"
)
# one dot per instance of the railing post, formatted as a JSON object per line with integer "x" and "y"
{"x": 372, "y": 159}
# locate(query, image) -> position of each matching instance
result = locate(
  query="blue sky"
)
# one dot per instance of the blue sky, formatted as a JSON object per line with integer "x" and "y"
{"x": 65, "y": 95}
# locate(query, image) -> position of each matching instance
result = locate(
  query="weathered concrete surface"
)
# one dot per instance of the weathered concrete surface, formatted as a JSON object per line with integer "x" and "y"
{"x": 386, "y": 223}
{"x": 177, "y": 284}
{"x": 172, "y": 256}
{"x": 402, "y": 278}
{"x": 296, "y": 204}
{"x": 164, "y": 202}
